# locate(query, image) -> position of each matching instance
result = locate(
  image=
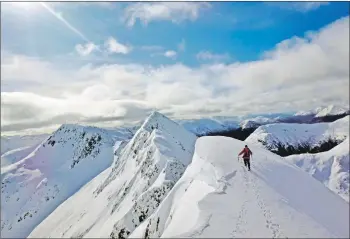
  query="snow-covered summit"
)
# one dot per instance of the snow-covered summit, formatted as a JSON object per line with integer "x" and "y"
{"x": 332, "y": 110}
{"x": 34, "y": 186}
{"x": 291, "y": 134}
{"x": 159, "y": 121}
{"x": 120, "y": 199}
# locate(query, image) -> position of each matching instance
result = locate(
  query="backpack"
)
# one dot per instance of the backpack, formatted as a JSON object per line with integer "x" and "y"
{"x": 246, "y": 153}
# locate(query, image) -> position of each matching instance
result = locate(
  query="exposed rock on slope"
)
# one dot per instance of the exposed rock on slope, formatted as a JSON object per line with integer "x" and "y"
{"x": 33, "y": 187}
{"x": 142, "y": 174}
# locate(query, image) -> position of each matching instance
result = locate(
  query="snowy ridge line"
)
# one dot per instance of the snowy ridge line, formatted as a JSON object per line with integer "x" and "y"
{"x": 141, "y": 176}
{"x": 207, "y": 201}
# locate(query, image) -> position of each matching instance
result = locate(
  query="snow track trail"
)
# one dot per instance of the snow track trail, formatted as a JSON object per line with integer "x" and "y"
{"x": 269, "y": 219}
{"x": 248, "y": 218}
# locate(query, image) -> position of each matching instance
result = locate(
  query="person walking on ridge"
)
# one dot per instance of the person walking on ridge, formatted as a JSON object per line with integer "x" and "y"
{"x": 246, "y": 156}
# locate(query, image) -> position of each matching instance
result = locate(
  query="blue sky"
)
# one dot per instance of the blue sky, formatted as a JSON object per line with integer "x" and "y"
{"x": 219, "y": 48}
{"x": 242, "y": 30}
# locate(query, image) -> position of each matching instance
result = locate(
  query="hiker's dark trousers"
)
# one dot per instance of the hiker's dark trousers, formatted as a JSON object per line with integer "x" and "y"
{"x": 247, "y": 162}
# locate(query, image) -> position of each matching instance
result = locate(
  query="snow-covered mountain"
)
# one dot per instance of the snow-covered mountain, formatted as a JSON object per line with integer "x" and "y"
{"x": 206, "y": 125}
{"x": 325, "y": 111}
{"x": 150, "y": 192}
{"x": 218, "y": 198}
{"x": 9, "y": 143}
{"x": 330, "y": 168}
{"x": 272, "y": 135}
{"x": 309, "y": 112}
{"x": 256, "y": 122}
{"x": 34, "y": 186}
{"x": 118, "y": 200}
{"x": 332, "y": 110}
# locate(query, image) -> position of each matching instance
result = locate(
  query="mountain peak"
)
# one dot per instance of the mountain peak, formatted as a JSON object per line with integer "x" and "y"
{"x": 156, "y": 120}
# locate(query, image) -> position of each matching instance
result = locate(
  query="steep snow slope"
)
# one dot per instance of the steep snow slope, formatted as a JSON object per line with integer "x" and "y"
{"x": 142, "y": 174}
{"x": 217, "y": 197}
{"x": 14, "y": 155}
{"x": 14, "y": 142}
{"x": 330, "y": 168}
{"x": 285, "y": 134}
{"x": 204, "y": 126}
{"x": 33, "y": 187}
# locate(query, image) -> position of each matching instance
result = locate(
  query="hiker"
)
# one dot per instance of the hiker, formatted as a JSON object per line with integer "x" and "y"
{"x": 246, "y": 156}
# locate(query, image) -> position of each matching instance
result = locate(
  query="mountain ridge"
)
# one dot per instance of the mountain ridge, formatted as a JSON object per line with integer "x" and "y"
{"x": 34, "y": 186}
{"x": 141, "y": 175}
{"x": 218, "y": 197}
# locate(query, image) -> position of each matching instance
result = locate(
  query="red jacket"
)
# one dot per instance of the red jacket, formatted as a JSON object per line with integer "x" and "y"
{"x": 246, "y": 153}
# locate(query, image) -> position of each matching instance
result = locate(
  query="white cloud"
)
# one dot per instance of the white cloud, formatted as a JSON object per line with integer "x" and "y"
{"x": 298, "y": 74}
{"x": 299, "y": 6}
{"x": 171, "y": 11}
{"x": 170, "y": 54}
{"x": 207, "y": 55}
{"x": 86, "y": 49}
{"x": 113, "y": 46}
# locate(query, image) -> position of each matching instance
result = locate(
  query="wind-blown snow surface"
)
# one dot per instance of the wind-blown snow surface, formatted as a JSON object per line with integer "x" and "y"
{"x": 330, "y": 168}
{"x": 34, "y": 186}
{"x": 9, "y": 143}
{"x": 297, "y": 134}
{"x": 217, "y": 197}
{"x": 119, "y": 199}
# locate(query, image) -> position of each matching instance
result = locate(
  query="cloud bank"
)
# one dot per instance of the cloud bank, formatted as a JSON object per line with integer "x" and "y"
{"x": 175, "y": 12}
{"x": 298, "y": 74}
